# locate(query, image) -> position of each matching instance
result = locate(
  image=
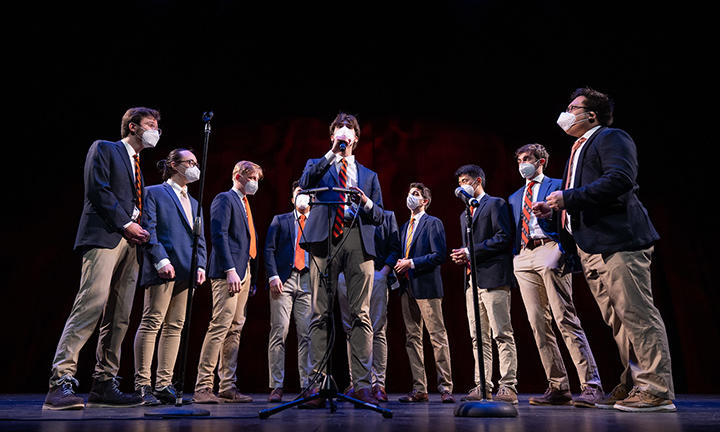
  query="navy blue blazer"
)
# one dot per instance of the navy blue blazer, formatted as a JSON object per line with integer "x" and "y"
{"x": 230, "y": 236}
{"x": 607, "y": 215}
{"x": 428, "y": 250}
{"x": 321, "y": 173}
{"x": 171, "y": 235}
{"x": 492, "y": 238}
{"x": 387, "y": 241}
{"x": 547, "y": 225}
{"x": 110, "y": 196}
{"x": 280, "y": 246}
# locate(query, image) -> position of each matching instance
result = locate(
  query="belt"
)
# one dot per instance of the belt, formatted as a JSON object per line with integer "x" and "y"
{"x": 533, "y": 243}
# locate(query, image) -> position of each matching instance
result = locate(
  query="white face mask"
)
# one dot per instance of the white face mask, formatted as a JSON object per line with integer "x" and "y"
{"x": 302, "y": 202}
{"x": 412, "y": 202}
{"x": 345, "y": 134}
{"x": 566, "y": 120}
{"x": 150, "y": 138}
{"x": 469, "y": 189}
{"x": 527, "y": 170}
{"x": 192, "y": 174}
{"x": 251, "y": 187}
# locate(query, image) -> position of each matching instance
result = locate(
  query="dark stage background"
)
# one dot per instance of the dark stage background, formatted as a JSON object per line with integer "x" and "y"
{"x": 434, "y": 87}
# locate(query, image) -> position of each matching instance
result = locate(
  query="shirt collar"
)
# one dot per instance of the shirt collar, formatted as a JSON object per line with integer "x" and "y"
{"x": 176, "y": 187}
{"x": 237, "y": 191}
{"x": 537, "y": 179}
{"x": 418, "y": 216}
{"x": 589, "y": 133}
{"x": 350, "y": 159}
{"x": 131, "y": 151}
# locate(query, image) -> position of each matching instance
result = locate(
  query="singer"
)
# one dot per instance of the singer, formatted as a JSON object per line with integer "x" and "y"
{"x": 352, "y": 247}
{"x": 492, "y": 231}
{"x": 231, "y": 273}
{"x": 107, "y": 237}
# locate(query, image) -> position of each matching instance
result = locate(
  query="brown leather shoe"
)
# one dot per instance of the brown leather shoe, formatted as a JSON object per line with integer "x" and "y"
{"x": 552, "y": 396}
{"x": 474, "y": 395}
{"x": 447, "y": 397}
{"x": 315, "y": 403}
{"x": 589, "y": 397}
{"x": 506, "y": 394}
{"x": 366, "y": 396}
{"x": 233, "y": 396}
{"x": 276, "y": 395}
{"x": 415, "y": 396}
{"x": 378, "y": 393}
{"x": 205, "y": 396}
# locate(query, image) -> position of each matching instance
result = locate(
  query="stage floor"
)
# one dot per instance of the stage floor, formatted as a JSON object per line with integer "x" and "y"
{"x": 24, "y": 412}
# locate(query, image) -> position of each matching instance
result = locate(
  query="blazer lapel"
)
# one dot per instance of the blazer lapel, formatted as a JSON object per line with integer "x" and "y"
{"x": 122, "y": 151}
{"x": 479, "y": 208}
{"x": 178, "y": 204}
{"x": 581, "y": 157}
{"x": 241, "y": 209}
{"x": 418, "y": 229}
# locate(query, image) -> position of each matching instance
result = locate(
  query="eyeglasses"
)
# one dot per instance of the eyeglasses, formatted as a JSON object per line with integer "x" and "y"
{"x": 574, "y": 107}
{"x": 190, "y": 162}
{"x": 151, "y": 127}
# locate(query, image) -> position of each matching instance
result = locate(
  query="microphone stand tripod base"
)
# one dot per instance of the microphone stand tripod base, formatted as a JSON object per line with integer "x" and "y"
{"x": 177, "y": 412}
{"x": 485, "y": 409}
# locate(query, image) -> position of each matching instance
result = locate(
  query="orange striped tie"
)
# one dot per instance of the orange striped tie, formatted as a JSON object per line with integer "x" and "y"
{"x": 138, "y": 184}
{"x": 340, "y": 213}
{"x": 526, "y": 211}
{"x": 251, "y": 228}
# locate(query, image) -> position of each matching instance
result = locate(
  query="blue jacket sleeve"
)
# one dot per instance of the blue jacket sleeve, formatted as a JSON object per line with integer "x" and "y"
{"x": 99, "y": 192}
{"x": 502, "y": 229}
{"x": 271, "y": 245}
{"x": 618, "y": 163}
{"x": 438, "y": 247}
{"x": 149, "y": 223}
{"x": 220, "y": 215}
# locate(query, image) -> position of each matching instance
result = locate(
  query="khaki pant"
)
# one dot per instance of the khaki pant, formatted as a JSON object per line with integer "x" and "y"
{"x": 295, "y": 299}
{"x": 378, "y": 318}
{"x": 164, "y": 311}
{"x": 621, "y": 285}
{"x": 547, "y": 294}
{"x": 419, "y": 313}
{"x": 107, "y": 288}
{"x": 359, "y": 271}
{"x": 222, "y": 340}
{"x": 495, "y": 320}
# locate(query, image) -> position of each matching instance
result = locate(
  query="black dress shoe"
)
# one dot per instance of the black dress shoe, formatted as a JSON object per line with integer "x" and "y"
{"x": 166, "y": 395}
{"x": 106, "y": 394}
{"x": 147, "y": 396}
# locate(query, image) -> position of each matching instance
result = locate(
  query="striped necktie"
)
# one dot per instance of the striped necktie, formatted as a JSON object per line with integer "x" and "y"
{"x": 526, "y": 212}
{"x": 567, "y": 185}
{"x": 340, "y": 213}
{"x": 408, "y": 241}
{"x": 138, "y": 184}
{"x": 251, "y": 228}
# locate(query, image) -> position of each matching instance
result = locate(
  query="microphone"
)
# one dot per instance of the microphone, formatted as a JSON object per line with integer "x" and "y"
{"x": 342, "y": 144}
{"x": 327, "y": 189}
{"x": 207, "y": 116}
{"x": 466, "y": 197}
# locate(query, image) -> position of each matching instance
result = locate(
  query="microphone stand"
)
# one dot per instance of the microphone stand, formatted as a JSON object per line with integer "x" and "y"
{"x": 328, "y": 387}
{"x": 482, "y": 408}
{"x": 178, "y": 411}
